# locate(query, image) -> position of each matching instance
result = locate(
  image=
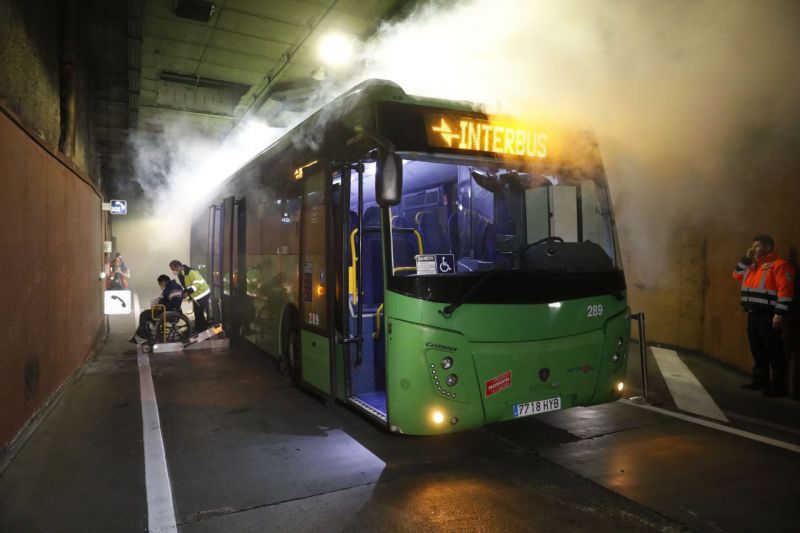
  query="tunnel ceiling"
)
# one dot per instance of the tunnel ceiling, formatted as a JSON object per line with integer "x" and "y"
{"x": 208, "y": 68}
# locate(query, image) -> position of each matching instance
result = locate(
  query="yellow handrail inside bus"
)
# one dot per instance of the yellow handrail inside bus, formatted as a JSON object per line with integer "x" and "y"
{"x": 163, "y": 319}
{"x": 377, "y": 332}
{"x": 419, "y": 241}
{"x": 351, "y": 270}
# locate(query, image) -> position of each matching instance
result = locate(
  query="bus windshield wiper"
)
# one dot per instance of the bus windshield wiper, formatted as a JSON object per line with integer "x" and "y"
{"x": 447, "y": 311}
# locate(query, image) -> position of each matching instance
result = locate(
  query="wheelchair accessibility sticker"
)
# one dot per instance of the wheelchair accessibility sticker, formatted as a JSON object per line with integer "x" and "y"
{"x": 435, "y": 264}
{"x": 117, "y": 302}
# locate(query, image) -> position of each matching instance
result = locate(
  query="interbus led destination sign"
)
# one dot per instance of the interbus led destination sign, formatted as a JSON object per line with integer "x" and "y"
{"x": 499, "y": 137}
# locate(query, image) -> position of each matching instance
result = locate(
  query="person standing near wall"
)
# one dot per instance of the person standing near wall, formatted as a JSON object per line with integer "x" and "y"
{"x": 116, "y": 277}
{"x": 122, "y": 265}
{"x": 196, "y": 288}
{"x": 767, "y": 290}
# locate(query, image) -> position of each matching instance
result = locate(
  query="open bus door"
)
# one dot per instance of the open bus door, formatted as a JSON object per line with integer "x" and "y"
{"x": 364, "y": 337}
{"x": 227, "y": 245}
{"x": 215, "y": 239}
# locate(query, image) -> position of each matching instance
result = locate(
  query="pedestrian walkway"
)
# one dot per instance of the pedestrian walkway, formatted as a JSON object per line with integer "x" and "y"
{"x": 83, "y": 465}
{"x": 697, "y": 385}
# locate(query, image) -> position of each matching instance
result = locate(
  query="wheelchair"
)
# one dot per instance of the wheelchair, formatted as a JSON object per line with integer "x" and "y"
{"x": 169, "y": 326}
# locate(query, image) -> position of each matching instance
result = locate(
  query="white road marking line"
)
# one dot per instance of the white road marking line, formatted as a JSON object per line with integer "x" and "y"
{"x": 688, "y": 393}
{"x": 763, "y": 423}
{"x": 727, "y": 429}
{"x": 160, "y": 510}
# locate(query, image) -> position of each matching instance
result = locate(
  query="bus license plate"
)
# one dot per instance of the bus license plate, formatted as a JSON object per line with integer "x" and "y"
{"x": 538, "y": 407}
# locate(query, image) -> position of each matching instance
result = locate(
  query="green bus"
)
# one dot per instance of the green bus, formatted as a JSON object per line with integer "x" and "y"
{"x": 430, "y": 265}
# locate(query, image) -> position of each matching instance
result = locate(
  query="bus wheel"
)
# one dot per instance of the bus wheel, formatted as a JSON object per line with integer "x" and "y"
{"x": 290, "y": 360}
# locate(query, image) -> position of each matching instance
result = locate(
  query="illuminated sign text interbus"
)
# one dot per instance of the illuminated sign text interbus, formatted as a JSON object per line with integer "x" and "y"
{"x": 469, "y": 133}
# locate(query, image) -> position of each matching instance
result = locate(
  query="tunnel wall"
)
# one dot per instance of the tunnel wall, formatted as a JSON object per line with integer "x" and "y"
{"x": 50, "y": 212}
{"x": 30, "y": 55}
{"x": 51, "y": 257}
{"x": 694, "y": 302}
{"x": 772, "y": 201}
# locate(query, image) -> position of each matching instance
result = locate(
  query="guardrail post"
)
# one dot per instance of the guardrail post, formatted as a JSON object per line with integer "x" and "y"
{"x": 639, "y": 317}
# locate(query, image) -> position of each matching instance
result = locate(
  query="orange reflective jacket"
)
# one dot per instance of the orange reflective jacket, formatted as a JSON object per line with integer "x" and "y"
{"x": 767, "y": 284}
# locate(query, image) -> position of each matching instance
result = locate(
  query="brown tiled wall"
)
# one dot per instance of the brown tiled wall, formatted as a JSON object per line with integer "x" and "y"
{"x": 695, "y": 302}
{"x": 50, "y": 257}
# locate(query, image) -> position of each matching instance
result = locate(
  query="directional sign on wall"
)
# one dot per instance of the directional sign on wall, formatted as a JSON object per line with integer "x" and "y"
{"x": 119, "y": 207}
{"x": 117, "y": 302}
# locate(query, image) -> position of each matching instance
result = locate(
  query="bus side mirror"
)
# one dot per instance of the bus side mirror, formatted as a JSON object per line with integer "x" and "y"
{"x": 389, "y": 179}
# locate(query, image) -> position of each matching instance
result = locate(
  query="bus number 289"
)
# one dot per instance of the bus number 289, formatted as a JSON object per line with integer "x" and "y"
{"x": 594, "y": 310}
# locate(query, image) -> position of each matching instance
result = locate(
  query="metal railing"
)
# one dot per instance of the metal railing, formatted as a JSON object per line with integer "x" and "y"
{"x": 639, "y": 317}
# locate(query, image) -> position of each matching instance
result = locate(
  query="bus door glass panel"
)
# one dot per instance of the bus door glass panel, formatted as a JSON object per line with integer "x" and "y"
{"x": 215, "y": 259}
{"x": 314, "y": 282}
{"x": 273, "y": 252}
{"x": 243, "y": 305}
{"x": 199, "y": 244}
{"x": 313, "y": 270}
{"x": 366, "y": 357}
{"x": 228, "y": 247}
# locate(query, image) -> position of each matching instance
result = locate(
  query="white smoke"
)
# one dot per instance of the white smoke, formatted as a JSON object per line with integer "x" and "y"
{"x": 670, "y": 88}
{"x": 683, "y": 95}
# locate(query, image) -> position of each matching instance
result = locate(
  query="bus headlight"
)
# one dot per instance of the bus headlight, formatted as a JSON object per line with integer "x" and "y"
{"x": 620, "y": 386}
{"x": 451, "y": 380}
{"x": 615, "y": 358}
{"x": 619, "y": 342}
{"x": 438, "y": 417}
{"x": 447, "y": 362}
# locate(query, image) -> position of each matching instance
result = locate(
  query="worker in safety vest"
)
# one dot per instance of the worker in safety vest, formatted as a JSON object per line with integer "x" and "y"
{"x": 196, "y": 288}
{"x": 767, "y": 292}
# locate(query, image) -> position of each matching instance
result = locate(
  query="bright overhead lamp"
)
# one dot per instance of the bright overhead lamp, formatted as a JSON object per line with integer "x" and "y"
{"x": 336, "y": 49}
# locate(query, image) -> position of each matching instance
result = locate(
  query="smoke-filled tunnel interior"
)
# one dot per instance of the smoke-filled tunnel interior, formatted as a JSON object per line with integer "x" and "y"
{"x": 645, "y": 146}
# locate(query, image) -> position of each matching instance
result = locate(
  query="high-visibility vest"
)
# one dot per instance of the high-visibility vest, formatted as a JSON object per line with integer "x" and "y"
{"x": 194, "y": 283}
{"x": 767, "y": 284}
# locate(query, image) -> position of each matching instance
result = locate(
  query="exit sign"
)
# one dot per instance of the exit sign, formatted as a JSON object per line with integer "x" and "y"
{"x": 119, "y": 207}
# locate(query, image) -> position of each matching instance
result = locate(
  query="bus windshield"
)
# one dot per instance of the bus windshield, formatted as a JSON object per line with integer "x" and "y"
{"x": 483, "y": 216}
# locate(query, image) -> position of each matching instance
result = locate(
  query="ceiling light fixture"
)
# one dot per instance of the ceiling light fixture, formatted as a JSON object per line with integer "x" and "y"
{"x": 336, "y": 49}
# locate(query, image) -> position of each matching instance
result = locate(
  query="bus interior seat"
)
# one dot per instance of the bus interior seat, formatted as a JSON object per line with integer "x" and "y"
{"x": 453, "y": 234}
{"x": 405, "y": 244}
{"x": 371, "y": 260}
{"x": 482, "y": 253}
{"x": 372, "y": 217}
{"x": 433, "y": 237}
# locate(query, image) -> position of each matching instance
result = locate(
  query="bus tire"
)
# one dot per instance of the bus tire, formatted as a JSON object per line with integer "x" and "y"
{"x": 291, "y": 360}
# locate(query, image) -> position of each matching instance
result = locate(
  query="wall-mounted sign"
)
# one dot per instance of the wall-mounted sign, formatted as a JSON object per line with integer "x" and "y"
{"x": 117, "y": 302}
{"x": 119, "y": 207}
